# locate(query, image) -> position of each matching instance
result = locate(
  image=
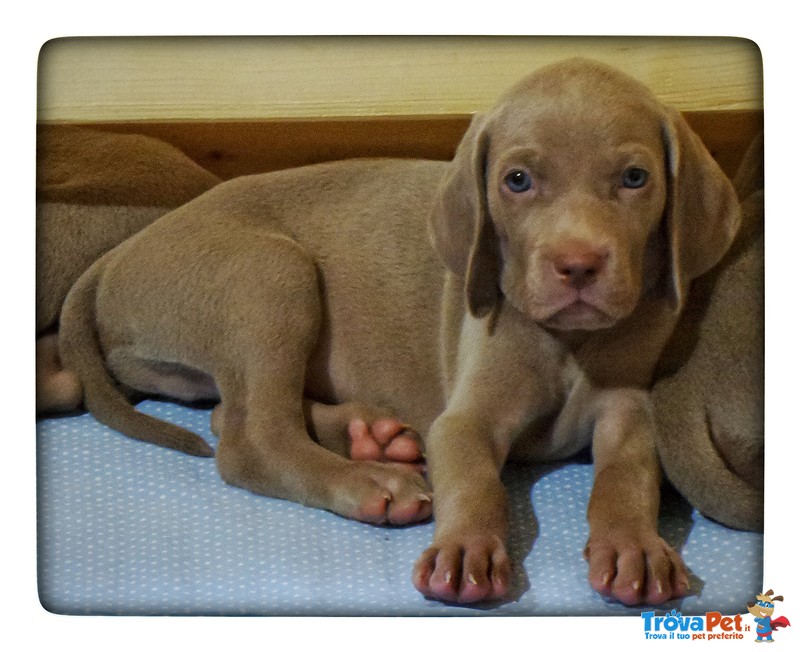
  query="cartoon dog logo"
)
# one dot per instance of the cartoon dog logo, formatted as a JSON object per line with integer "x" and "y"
{"x": 762, "y": 609}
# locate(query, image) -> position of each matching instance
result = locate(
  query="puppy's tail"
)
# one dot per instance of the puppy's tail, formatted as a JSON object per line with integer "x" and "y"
{"x": 81, "y": 353}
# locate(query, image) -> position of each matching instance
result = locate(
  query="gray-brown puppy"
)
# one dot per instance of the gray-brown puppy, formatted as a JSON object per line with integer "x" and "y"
{"x": 709, "y": 394}
{"x": 312, "y": 301}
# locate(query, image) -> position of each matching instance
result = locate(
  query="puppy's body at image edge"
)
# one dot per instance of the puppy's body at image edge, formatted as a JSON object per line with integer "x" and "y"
{"x": 310, "y": 302}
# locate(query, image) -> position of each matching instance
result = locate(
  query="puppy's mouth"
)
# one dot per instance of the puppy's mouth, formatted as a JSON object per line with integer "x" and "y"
{"x": 555, "y": 306}
{"x": 579, "y": 315}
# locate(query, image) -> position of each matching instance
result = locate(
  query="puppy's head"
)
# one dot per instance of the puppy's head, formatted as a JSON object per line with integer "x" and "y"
{"x": 578, "y": 194}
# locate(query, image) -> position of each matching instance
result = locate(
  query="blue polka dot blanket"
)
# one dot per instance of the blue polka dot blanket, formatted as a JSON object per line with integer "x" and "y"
{"x": 132, "y": 529}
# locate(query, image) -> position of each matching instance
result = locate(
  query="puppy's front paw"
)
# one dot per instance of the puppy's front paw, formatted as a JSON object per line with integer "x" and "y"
{"x": 635, "y": 568}
{"x": 464, "y": 569}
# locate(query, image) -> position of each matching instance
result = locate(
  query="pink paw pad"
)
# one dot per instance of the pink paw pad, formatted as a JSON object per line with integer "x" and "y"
{"x": 385, "y": 440}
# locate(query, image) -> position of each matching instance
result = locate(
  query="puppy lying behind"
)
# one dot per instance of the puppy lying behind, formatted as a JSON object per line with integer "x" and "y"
{"x": 94, "y": 189}
{"x": 510, "y": 304}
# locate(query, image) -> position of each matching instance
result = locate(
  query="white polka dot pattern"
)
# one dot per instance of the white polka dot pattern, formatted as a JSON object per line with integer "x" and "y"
{"x": 130, "y": 528}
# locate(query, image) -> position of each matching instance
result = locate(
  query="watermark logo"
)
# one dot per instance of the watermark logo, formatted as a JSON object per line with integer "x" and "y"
{"x": 762, "y": 610}
{"x": 675, "y": 626}
{"x": 714, "y": 626}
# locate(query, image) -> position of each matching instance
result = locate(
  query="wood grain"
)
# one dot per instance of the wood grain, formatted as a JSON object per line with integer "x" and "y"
{"x": 240, "y": 105}
{"x": 303, "y": 78}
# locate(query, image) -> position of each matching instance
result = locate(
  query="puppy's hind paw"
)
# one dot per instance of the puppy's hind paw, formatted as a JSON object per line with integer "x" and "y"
{"x": 385, "y": 440}
{"x": 389, "y": 494}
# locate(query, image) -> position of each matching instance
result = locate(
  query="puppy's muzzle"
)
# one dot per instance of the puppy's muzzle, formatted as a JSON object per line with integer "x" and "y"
{"x": 579, "y": 265}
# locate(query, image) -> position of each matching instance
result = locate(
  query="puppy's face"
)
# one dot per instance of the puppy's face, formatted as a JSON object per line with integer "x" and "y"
{"x": 576, "y": 194}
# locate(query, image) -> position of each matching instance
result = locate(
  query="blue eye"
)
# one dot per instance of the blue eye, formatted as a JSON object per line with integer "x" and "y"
{"x": 518, "y": 181}
{"x": 635, "y": 177}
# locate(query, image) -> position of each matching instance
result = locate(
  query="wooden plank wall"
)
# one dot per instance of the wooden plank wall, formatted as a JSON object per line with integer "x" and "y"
{"x": 249, "y": 104}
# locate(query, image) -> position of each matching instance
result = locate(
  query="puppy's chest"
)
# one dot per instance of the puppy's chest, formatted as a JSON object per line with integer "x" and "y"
{"x": 568, "y": 375}
{"x": 556, "y": 407}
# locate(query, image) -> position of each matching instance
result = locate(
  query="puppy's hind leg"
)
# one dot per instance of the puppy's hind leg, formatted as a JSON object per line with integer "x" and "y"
{"x": 264, "y": 444}
{"x": 354, "y": 430}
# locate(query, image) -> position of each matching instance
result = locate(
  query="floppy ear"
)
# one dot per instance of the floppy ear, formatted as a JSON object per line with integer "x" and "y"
{"x": 703, "y": 212}
{"x": 460, "y": 226}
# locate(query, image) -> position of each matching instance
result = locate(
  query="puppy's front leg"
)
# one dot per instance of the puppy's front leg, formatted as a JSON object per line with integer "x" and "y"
{"x": 467, "y": 561}
{"x": 494, "y": 395}
{"x": 627, "y": 559}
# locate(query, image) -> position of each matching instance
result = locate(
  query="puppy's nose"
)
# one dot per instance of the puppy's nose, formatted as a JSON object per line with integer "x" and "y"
{"x": 579, "y": 267}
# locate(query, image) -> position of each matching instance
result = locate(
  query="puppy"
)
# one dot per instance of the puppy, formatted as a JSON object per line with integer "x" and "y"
{"x": 509, "y": 304}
